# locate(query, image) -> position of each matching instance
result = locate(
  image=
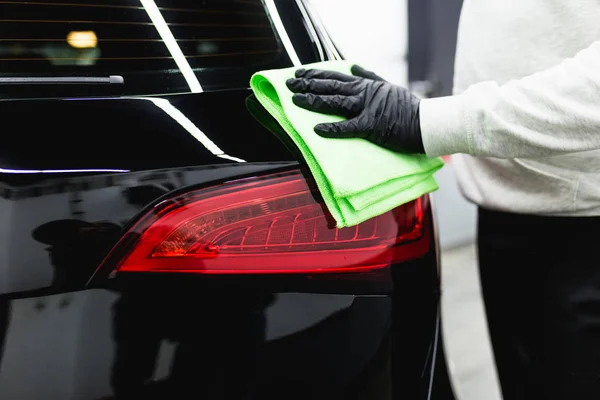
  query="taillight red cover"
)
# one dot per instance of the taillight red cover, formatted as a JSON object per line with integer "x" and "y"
{"x": 266, "y": 225}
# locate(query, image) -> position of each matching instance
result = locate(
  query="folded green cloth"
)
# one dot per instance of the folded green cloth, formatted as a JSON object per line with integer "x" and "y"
{"x": 357, "y": 179}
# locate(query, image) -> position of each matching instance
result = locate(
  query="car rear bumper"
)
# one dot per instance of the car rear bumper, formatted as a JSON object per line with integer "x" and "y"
{"x": 98, "y": 344}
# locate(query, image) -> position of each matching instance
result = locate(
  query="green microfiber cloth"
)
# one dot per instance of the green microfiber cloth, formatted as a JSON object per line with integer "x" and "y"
{"x": 358, "y": 180}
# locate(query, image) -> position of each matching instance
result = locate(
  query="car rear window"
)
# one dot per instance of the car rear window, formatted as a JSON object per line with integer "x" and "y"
{"x": 151, "y": 43}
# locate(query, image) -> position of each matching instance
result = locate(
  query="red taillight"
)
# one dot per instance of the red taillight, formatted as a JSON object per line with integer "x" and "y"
{"x": 265, "y": 225}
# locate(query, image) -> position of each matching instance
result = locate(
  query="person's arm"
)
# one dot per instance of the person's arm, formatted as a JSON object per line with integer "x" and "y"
{"x": 552, "y": 112}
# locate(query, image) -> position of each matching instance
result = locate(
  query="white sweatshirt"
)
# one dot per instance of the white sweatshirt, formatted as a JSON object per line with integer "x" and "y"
{"x": 526, "y": 110}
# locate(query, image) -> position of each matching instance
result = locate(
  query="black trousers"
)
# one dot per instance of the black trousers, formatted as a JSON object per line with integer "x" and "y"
{"x": 540, "y": 278}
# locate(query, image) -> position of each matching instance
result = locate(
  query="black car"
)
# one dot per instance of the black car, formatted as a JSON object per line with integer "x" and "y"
{"x": 160, "y": 236}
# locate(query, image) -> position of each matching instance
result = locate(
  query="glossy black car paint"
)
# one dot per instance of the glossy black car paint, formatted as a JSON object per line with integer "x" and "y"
{"x": 75, "y": 172}
{"x": 222, "y": 338}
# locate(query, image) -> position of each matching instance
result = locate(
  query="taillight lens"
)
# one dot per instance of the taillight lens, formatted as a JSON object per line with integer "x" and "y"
{"x": 265, "y": 225}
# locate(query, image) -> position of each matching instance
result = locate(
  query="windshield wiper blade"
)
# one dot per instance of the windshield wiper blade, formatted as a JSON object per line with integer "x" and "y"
{"x": 56, "y": 80}
{"x": 29, "y": 87}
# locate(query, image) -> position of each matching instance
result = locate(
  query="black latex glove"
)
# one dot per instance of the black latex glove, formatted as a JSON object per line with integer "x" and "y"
{"x": 383, "y": 113}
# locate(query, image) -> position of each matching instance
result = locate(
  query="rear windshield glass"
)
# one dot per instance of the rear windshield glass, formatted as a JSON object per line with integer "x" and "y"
{"x": 158, "y": 46}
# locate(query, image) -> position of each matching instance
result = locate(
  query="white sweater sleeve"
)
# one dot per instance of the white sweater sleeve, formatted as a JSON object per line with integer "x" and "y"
{"x": 556, "y": 111}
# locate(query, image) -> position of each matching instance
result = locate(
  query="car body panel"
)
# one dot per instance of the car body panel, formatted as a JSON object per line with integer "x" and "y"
{"x": 76, "y": 172}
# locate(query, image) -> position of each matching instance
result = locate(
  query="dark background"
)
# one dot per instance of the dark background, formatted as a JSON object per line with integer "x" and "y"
{"x": 432, "y": 28}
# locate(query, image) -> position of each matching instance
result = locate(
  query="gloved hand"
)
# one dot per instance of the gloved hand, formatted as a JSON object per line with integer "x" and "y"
{"x": 383, "y": 113}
